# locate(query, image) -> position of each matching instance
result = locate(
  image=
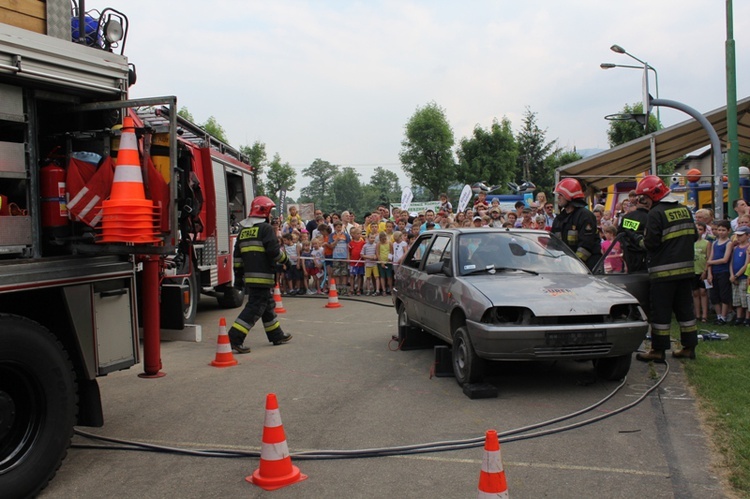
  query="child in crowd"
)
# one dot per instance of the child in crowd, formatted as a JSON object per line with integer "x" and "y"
{"x": 325, "y": 234}
{"x": 700, "y": 297}
{"x": 389, "y": 228}
{"x": 385, "y": 268}
{"x": 370, "y": 256}
{"x": 718, "y": 271}
{"x": 318, "y": 255}
{"x": 399, "y": 247}
{"x": 308, "y": 267}
{"x": 738, "y": 266}
{"x": 339, "y": 242}
{"x": 613, "y": 264}
{"x": 445, "y": 204}
{"x": 357, "y": 266}
{"x": 293, "y": 274}
{"x": 281, "y": 269}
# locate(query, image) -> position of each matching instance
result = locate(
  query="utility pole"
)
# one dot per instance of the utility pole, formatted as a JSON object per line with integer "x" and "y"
{"x": 733, "y": 148}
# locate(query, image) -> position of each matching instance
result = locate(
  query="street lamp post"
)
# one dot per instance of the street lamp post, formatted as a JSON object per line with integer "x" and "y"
{"x": 619, "y": 50}
{"x": 645, "y": 67}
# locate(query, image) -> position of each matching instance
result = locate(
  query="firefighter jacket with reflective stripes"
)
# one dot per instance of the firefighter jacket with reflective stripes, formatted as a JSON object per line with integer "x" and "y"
{"x": 256, "y": 254}
{"x": 669, "y": 240}
{"x": 633, "y": 224}
{"x": 578, "y": 230}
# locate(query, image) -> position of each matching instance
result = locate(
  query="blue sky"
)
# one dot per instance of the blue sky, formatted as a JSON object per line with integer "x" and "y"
{"x": 339, "y": 80}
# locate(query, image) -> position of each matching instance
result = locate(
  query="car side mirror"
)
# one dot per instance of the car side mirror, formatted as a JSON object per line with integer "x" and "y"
{"x": 447, "y": 268}
{"x": 434, "y": 268}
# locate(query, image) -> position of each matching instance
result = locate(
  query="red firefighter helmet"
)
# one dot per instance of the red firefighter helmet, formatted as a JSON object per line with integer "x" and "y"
{"x": 652, "y": 187}
{"x": 570, "y": 189}
{"x": 261, "y": 207}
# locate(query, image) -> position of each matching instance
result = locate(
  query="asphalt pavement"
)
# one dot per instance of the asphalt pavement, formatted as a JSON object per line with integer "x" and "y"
{"x": 341, "y": 384}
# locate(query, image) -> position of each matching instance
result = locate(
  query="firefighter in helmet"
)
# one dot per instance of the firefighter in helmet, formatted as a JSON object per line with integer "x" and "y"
{"x": 669, "y": 242}
{"x": 575, "y": 224}
{"x": 256, "y": 254}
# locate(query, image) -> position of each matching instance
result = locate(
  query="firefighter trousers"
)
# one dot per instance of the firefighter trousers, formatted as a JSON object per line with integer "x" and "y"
{"x": 667, "y": 297}
{"x": 260, "y": 305}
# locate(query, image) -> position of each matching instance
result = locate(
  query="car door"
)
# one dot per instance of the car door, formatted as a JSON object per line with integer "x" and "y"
{"x": 436, "y": 286}
{"x": 410, "y": 278}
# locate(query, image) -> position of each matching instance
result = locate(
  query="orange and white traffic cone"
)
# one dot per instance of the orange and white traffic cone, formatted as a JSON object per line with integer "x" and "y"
{"x": 127, "y": 216}
{"x": 276, "y": 469}
{"x": 224, "y": 357}
{"x": 277, "y": 298}
{"x": 492, "y": 477}
{"x": 333, "y": 295}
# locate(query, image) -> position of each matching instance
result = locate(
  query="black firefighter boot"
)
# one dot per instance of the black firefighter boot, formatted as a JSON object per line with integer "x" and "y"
{"x": 236, "y": 338}
{"x": 281, "y": 338}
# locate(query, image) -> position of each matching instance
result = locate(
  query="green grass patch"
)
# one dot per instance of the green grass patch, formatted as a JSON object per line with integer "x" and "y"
{"x": 721, "y": 379}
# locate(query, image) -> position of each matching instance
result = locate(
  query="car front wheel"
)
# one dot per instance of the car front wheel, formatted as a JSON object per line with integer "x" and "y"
{"x": 467, "y": 366}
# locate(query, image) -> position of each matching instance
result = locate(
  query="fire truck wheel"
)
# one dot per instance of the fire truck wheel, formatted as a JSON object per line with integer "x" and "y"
{"x": 230, "y": 298}
{"x": 38, "y": 406}
{"x": 191, "y": 310}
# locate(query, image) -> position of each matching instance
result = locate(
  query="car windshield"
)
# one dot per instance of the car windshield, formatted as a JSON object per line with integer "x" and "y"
{"x": 528, "y": 251}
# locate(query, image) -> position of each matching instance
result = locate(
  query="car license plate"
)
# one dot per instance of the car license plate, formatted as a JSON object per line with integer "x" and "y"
{"x": 574, "y": 338}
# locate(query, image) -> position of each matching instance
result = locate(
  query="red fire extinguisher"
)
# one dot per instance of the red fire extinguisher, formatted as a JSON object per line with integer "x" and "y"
{"x": 52, "y": 190}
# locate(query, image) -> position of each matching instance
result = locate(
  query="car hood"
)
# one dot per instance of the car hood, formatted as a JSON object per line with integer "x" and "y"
{"x": 550, "y": 294}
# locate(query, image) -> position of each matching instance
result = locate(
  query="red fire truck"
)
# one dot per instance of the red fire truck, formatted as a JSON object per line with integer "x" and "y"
{"x": 72, "y": 300}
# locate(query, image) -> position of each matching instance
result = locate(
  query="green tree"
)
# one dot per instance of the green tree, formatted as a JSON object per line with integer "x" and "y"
{"x": 280, "y": 176}
{"x": 385, "y": 185}
{"x": 533, "y": 149}
{"x": 489, "y": 156}
{"x": 555, "y": 160}
{"x": 426, "y": 150}
{"x": 215, "y": 129}
{"x": 259, "y": 161}
{"x": 347, "y": 190}
{"x": 623, "y": 131}
{"x": 183, "y": 112}
{"x": 319, "y": 191}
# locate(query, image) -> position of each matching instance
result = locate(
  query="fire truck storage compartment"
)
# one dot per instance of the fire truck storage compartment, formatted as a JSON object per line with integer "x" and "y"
{"x": 114, "y": 320}
{"x": 15, "y": 223}
{"x": 112, "y": 310}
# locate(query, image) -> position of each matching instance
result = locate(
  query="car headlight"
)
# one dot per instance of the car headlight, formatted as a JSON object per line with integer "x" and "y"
{"x": 507, "y": 315}
{"x": 626, "y": 312}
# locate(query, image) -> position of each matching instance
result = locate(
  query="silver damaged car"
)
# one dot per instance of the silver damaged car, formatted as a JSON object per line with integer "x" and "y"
{"x": 513, "y": 294}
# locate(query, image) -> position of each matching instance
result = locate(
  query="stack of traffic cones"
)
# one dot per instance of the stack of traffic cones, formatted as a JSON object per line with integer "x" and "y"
{"x": 276, "y": 469}
{"x": 277, "y": 298}
{"x": 333, "y": 295}
{"x": 492, "y": 477}
{"x": 128, "y": 217}
{"x": 224, "y": 357}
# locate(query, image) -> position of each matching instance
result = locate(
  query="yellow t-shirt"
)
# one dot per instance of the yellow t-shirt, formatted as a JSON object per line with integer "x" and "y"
{"x": 383, "y": 251}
